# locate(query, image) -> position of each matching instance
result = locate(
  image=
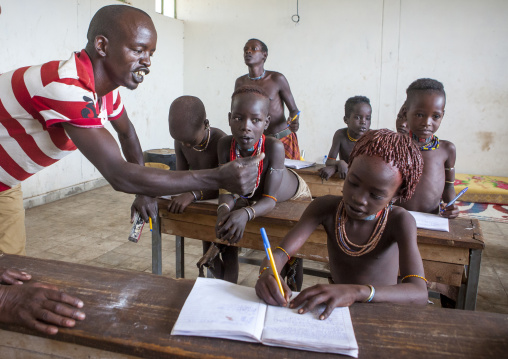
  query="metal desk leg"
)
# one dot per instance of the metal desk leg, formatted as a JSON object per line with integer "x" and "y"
{"x": 180, "y": 260}
{"x": 156, "y": 247}
{"x": 473, "y": 277}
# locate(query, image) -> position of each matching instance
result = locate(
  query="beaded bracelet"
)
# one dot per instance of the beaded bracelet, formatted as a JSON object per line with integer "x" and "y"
{"x": 282, "y": 249}
{"x": 372, "y": 293}
{"x": 272, "y": 197}
{"x": 223, "y": 205}
{"x": 262, "y": 270}
{"x": 248, "y": 213}
{"x": 201, "y": 193}
{"x": 331, "y": 158}
{"x": 413, "y": 275}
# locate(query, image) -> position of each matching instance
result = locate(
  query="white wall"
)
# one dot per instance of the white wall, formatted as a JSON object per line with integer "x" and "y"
{"x": 35, "y": 31}
{"x": 343, "y": 48}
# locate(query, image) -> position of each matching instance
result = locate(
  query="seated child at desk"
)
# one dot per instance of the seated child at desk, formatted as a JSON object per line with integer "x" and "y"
{"x": 357, "y": 119}
{"x": 195, "y": 148}
{"x": 369, "y": 242}
{"x": 248, "y": 119}
{"x": 424, "y": 110}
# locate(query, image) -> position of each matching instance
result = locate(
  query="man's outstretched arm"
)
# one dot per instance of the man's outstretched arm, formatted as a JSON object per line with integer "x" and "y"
{"x": 100, "y": 148}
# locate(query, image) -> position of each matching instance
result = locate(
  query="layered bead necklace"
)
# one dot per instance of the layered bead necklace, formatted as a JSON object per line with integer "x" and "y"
{"x": 350, "y": 248}
{"x": 259, "y": 147}
{"x": 207, "y": 140}
{"x": 431, "y": 143}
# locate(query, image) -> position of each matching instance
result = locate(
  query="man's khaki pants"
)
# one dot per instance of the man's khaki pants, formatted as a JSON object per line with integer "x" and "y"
{"x": 12, "y": 221}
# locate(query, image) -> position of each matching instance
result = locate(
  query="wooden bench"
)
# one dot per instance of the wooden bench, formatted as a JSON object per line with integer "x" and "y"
{"x": 131, "y": 314}
{"x": 450, "y": 258}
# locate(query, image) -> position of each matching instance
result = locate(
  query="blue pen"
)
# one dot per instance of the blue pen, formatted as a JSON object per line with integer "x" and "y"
{"x": 269, "y": 254}
{"x": 294, "y": 118}
{"x": 457, "y": 197}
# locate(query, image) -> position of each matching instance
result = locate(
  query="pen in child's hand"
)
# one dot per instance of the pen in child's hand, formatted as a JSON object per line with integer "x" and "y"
{"x": 150, "y": 220}
{"x": 456, "y": 198}
{"x": 268, "y": 250}
{"x": 294, "y": 118}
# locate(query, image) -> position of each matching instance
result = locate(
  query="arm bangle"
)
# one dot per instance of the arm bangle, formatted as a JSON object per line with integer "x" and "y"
{"x": 414, "y": 275}
{"x": 372, "y": 293}
{"x": 253, "y": 212}
{"x": 286, "y": 253}
{"x": 248, "y": 213}
{"x": 223, "y": 205}
{"x": 195, "y": 197}
{"x": 262, "y": 270}
{"x": 272, "y": 197}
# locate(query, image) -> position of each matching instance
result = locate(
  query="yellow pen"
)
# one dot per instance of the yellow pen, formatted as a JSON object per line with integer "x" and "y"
{"x": 150, "y": 220}
{"x": 268, "y": 250}
{"x": 294, "y": 118}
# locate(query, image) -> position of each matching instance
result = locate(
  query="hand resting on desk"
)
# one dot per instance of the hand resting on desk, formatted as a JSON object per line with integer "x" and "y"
{"x": 36, "y": 306}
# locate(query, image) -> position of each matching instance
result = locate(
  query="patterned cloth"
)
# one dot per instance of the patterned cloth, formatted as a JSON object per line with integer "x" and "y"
{"x": 482, "y": 189}
{"x": 291, "y": 148}
{"x": 34, "y": 100}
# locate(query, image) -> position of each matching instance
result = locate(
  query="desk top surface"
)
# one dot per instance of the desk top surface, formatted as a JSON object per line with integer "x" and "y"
{"x": 133, "y": 313}
{"x": 464, "y": 232}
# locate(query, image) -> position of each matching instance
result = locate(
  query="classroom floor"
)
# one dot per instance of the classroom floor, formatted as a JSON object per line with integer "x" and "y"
{"x": 92, "y": 228}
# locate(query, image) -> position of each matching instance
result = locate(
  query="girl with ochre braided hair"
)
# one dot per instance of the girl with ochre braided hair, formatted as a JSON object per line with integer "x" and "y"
{"x": 369, "y": 239}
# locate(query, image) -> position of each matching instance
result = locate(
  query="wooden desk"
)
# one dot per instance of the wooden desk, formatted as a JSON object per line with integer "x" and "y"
{"x": 452, "y": 258}
{"x": 133, "y": 313}
{"x": 319, "y": 187}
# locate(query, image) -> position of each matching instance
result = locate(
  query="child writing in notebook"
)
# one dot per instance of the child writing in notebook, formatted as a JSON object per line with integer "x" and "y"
{"x": 369, "y": 241}
{"x": 248, "y": 119}
{"x": 195, "y": 149}
{"x": 424, "y": 110}
{"x": 357, "y": 119}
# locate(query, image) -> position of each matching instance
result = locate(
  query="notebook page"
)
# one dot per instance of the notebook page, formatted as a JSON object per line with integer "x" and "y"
{"x": 296, "y": 164}
{"x": 430, "y": 221}
{"x": 285, "y": 327}
{"x": 219, "y": 309}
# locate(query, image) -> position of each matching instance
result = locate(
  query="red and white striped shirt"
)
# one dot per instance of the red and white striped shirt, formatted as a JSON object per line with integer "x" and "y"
{"x": 34, "y": 101}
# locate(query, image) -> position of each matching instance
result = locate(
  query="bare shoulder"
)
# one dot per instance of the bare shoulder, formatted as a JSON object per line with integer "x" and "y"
{"x": 277, "y": 77}
{"x": 273, "y": 148}
{"x": 240, "y": 81}
{"x": 324, "y": 206}
{"x": 448, "y": 146}
{"x": 401, "y": 224}
{"x": 216, "y": 133}
{"x": 224, "y": 143}
{"x": 341, "y": 133}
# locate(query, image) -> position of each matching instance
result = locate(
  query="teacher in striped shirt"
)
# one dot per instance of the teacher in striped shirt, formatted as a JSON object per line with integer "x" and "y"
{"x": 49, "y": 110}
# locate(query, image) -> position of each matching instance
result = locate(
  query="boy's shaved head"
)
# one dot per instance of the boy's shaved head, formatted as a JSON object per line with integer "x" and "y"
{"x": 397, "y": 150}
{"x": 186, "y": 111}
{"x": 107, "y": 21}
{"x": 424, "y": 85}
{"x": 254, "y": 90}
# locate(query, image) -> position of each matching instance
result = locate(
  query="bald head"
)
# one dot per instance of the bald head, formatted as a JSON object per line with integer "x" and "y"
{"x": 108, "y": 20}
{"x": 186, "y": 115}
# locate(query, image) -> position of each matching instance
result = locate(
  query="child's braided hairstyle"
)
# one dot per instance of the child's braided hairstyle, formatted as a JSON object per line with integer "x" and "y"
{"x": 396, "y": 149}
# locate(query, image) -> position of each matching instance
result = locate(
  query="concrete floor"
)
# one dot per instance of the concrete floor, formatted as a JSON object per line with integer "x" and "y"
{"x": 92, "y": 228}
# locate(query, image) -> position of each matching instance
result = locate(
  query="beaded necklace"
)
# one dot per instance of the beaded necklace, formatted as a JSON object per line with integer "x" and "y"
{"x": 431, "y": 143}
{"x": 259, "y": 147}
{"x": 257, "y": 78}
{"x": 201, "y": 144}
{"x": 351, "y": 138}
{"x": 343, "y": 241}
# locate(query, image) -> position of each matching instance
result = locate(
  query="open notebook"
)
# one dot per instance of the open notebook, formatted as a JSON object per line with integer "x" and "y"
{"x": 219, "y": 309}
{"x": 431, "y": 221}
{"x": 296, "y": 164}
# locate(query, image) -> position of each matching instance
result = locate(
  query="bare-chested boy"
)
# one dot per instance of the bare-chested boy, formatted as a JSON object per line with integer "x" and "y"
{"x": 424, "y": 110}
{"x": 195, "y": 145}
{"x": 357, "y": 118}
{"x": 248, "y": 120}
{"x": 369, "y": 242}
{"x": 196, "y": 149}
{"x": 276, "y": 86}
